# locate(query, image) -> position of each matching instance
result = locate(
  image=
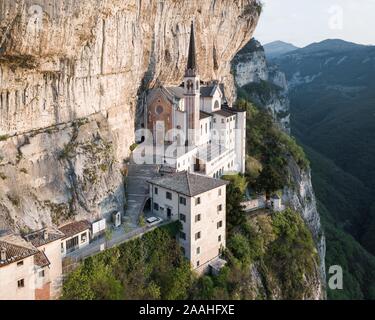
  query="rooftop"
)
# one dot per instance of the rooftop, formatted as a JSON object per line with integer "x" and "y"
{"x": 75, "y": 228}
{"x": 44, "y": 236}
{"x": 204, "y": 115}
{"x": 187, "y": 183}
{"x": 41, "y": 260}
{"x": 208, "y": 91}
{"x": 177, "y": 92}
{"x": 16, "y": 249}
{"x": 226, "y": 113}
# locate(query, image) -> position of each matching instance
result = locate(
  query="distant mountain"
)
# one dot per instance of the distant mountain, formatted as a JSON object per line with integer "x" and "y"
{"x": 331, "y": 64}
{"x": 332, "y": 97}
{"x": 278, "y": 48}
{"x": 332, "y": 91}
{"x": 331, "y": 45}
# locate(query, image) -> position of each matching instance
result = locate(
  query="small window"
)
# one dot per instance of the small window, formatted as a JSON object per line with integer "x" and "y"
{"x": 220, "y": 224}
{"x": 21, "y": 283}
{"x": 41, "y": 274}
{"x": 182, "y": 217}
{"x": 219, "y": 192}
{"x": 169, "y": 195}
{"x": 182, "y": 235}
{"x": 222, "y": 120}
{"x": 183, "y": 250}
{"x": 183, "y": 201}
{"x": 220, "y": 208}
{"x": 198, "y": 218}
{"x": 159, "y": 110}
{"x": 214, "y": 120}
{"x": 198, "y": 250}
{"x": 197, "y": 201}
{"x": 20, "y": 264}
{"x": 156, "y": 191}
{"x": 219, "y": 238}
{"x": 197, "y": 236}
{"x": 198, "y": 264}
{"x": 156, "y": 207}
{"x": 83, "y": 237}
{"x": 62, "y": 248}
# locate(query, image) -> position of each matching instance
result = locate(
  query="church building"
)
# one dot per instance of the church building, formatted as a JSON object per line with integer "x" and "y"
{"x": 199, "y": 131}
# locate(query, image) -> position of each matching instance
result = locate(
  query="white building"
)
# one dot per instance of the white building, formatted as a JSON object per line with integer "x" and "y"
{"x": 196, "y": 128}
{"x": 77, "y": 236}
{"x": 49, "y": 261}
{"x": 31, "y": 267}
{"x": 199, "y": 203}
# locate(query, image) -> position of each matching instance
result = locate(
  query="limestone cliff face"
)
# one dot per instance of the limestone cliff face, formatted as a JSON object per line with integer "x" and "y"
{"x": 89, "y": 60}
{"x": 302, "y": 198}
{"x": 263, "y": 83}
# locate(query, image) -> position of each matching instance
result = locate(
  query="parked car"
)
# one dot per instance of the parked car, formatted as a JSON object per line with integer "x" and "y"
{"x": 152, "y": 221}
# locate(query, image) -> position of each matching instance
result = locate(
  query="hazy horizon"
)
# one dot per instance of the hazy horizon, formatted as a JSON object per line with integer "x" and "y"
{"x": 302, "y": 23}
{"x": 267, "y": 43}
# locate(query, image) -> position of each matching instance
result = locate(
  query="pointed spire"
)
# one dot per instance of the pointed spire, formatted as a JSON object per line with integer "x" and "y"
{"x": 192, "y": 62}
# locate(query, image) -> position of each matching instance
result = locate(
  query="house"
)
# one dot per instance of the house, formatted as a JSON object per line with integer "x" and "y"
{"x": 48, "y": 261}
{"x": 17, "y": 268}
{"x": 200, "y": 132}
{"x": 30, "y": 266}
{"x": 77, "y": 236}
{"x": 199, "y": 203}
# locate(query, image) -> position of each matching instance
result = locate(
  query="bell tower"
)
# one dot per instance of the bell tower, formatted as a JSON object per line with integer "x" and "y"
{"x": 192, "y": 93}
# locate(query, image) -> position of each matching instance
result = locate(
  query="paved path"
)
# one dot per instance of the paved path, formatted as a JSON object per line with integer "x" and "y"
{"x": 138, "y": 190}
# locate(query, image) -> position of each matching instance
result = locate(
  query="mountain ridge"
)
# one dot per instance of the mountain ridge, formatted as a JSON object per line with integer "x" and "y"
{"x": 332, "y": 94}
{"x": 277, "y": 48}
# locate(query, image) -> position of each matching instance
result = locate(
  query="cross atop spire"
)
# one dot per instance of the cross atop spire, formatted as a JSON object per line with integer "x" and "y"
{"x": 192, "y": 60}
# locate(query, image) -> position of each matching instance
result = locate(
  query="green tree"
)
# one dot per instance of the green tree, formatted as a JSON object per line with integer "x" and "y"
{"x": 235, "y": 211}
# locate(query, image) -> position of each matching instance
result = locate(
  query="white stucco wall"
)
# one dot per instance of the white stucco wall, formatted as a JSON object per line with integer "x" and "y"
{"x": 53, "y": 252}
{"x": 10, "y": 274}
{"x": 208, "y": 209}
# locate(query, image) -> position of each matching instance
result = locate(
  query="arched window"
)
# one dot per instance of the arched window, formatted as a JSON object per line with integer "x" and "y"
{"x": 217, "y": 105}
{"x": 190, "y": 85}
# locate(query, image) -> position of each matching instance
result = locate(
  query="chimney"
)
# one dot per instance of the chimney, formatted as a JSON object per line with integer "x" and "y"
{"x": 3, "y": 254}
{"x": 45, "y": 235}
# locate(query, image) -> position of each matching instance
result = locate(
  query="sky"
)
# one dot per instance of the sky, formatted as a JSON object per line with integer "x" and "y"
{"x": 302, "y": 22}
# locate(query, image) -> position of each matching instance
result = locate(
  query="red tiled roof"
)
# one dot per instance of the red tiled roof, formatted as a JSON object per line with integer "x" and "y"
{"x": 16, "y": 249}
{"x": 41, "y": 260}
{"x": 75, "y": 228}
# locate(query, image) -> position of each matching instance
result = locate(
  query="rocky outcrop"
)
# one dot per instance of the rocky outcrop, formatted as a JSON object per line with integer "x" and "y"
{"x": 301, "y": 197}
{"x": 266, "y": 86}
{"x": 65, "y": 172}
{"x": 262, "y": 82}
{"x": 64, "y": 61}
